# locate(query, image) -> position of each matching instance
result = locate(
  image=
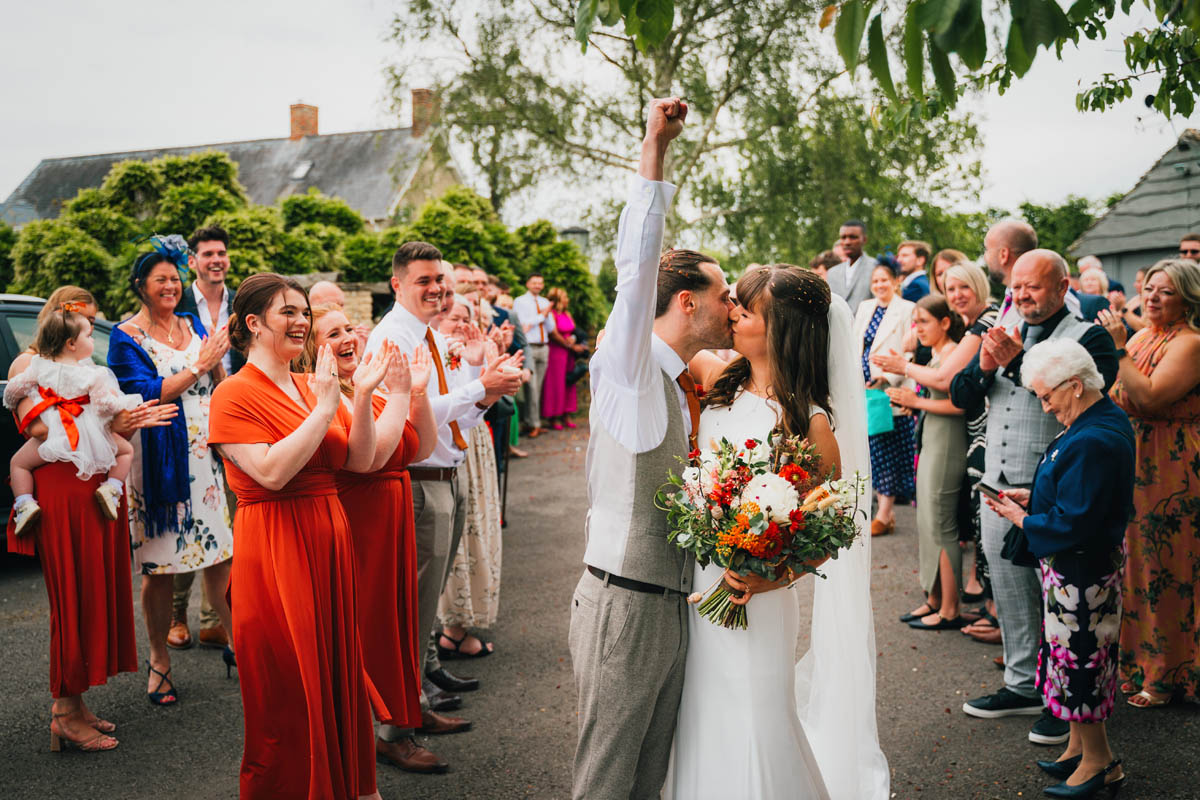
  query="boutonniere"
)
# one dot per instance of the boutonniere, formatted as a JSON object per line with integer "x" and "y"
{"x": 453, "y": 361}
{"x": 1054, "y": 455}
{"x": 700, "y": 392}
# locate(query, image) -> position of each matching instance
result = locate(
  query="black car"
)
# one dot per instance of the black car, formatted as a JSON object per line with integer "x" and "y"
{"x": 18, "y": 325}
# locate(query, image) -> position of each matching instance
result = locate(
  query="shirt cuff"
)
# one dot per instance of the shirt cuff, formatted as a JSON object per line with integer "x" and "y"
{"x": 654, "y": 196}
{"x": 475, "y": 391}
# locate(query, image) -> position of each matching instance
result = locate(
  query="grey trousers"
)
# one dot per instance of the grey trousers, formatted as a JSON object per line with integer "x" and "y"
{"x": 439, "y": 510}
{"x": 532, "y": 407}
{"x": 628, "y": 651}
{"x": 1018, "y": 595}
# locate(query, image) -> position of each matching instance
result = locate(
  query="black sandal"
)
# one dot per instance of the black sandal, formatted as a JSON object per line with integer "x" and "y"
{"x": 943, "y": 624}
{"x": 456, "y": 653}
{"x": 911, "y": 616}
{"x": 159, "y": 698}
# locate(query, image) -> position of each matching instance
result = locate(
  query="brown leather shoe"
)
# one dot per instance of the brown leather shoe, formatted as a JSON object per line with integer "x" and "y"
{"x": 536, "y": 432}
{"x": 409, "y": 756}
{"x": 434, "y": 724}
{"x": 179, "y": 637}
{"x": 881, "y": 529}
{"x": 213, "y": 637}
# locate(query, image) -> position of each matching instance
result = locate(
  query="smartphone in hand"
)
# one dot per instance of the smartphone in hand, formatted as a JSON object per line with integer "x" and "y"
{"x": 989, "y": 492}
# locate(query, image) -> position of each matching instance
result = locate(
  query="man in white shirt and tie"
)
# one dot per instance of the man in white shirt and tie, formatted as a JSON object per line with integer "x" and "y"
{"x": 459, "y": 398}
{"x": 628, "y": 635}
{"x": 537, "y": 317}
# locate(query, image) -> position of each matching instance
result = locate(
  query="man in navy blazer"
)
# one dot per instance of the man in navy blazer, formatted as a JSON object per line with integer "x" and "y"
{"x": 1090, "y": 305}
{"x": 912, "y": 256}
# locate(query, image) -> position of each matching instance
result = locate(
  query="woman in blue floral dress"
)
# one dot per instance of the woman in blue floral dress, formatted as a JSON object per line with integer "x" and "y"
{"x": 1081, "y": 501}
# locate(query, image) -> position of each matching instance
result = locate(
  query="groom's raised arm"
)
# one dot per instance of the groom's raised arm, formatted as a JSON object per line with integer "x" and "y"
{"x": 623, "y": 368}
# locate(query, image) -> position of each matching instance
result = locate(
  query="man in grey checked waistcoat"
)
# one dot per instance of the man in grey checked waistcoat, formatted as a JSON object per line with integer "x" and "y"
{"x": 1018, "y": 432}
{"x": 628, "y": 635}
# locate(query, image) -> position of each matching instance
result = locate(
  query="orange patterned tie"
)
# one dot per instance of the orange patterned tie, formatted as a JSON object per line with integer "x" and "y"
{"x": 459, "y": 441}
{"x": 693, "y": 402}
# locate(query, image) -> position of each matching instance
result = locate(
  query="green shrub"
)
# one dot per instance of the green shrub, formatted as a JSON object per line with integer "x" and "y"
{"x": 299, "y": 209}
{"x": 184, "y": 206}
{"x": 133, "y": 188}
{"x": 8, "y": 238}
{"x": 50, "y": 252}
{"x": 210, "y": 165}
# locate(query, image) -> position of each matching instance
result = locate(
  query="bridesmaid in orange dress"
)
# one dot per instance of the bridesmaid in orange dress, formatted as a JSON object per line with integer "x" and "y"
{"x": 1158, "y": 385}
{"x": 379, "y": 507}
{"x": 284, "y": 437}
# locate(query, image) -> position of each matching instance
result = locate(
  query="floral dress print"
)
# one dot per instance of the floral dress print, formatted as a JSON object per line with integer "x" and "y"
{"x": 1160, "y": 638}
{"x": 210, "y": 539}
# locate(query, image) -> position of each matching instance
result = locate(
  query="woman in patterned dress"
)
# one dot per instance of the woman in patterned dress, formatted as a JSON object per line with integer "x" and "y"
{"x": 1158, "y": 384}
{"x": 1081, "y": 500}
{"x": 178, "y": 516}
{"x": 880, "y": 324}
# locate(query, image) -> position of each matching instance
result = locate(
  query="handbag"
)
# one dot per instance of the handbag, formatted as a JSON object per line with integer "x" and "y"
{"x": 879, "y": 412}
{"x": 1016, "y": 548}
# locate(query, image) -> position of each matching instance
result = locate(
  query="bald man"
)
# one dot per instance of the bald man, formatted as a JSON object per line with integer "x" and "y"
{"x": 1008, "y": 240}
{"x": 1019, "y": 432}
{"x": 327, "y": 293}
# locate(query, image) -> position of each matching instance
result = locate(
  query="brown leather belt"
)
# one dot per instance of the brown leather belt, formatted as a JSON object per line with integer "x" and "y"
{"x": 629, "y": 583}
{"x": 432, "y": 473}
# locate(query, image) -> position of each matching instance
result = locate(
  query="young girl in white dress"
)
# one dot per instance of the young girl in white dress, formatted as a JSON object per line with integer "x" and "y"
{"x": 76, "y": 399}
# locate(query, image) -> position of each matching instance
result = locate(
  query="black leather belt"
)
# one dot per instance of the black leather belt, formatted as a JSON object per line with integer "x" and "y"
{"x": 629, "y": 583}
{"x": 432, "y": 473}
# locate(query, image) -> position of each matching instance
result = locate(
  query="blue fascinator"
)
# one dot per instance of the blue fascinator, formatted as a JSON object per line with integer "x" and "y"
{"x": 173, "y": 248}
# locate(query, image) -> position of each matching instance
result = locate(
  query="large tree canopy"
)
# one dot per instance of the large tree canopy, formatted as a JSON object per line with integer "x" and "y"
{"x": 991, "y": 43}
{"x": 764, "y": 95}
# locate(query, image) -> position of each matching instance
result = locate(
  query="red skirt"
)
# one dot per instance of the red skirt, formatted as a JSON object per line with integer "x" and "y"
{"x": 86, "y": 566}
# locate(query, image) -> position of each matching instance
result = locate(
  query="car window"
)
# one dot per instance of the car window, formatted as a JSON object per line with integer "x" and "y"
{"x": 24, "y": 329}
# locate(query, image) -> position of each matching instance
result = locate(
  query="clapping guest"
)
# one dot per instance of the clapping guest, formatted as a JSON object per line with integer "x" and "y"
{"x": 558, "y": 398}
{"x": 1094, "y": 282}
{"x": 939, "y": 479}
{"x": 178, "y": 515}
{"x": 85, "y": 565}
{"x": 284, "y": 437}
{"x": 942, "y": 261}
{"x": 1159, "y": 386}
{"x": 536, "y": 313}
{"x": 880, "y": 325}
{"x": 1074, "y": 522}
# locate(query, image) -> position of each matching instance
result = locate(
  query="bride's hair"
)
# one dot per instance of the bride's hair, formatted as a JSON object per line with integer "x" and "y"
{"x": 794, "y": 304}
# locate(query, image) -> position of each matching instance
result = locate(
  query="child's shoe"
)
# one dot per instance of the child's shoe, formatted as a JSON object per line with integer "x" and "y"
{"x": 26, "y": 516}
{"x": 109, "y": 500}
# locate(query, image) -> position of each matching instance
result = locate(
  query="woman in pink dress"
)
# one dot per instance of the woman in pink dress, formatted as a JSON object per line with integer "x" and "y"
{"x": 558, "y": 399}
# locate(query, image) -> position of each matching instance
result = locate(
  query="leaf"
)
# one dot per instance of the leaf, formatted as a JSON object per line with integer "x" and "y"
{"x": 1019, "y": 59}
{"x": 849, "y": 30}
{"x": 877, "y": 57}
{"x": 585, "y": 19}
{"x": 609, "y": 11}
{"x": 1043, "y": 23}
{"x": 936, "y": 16}
{"x": 657, "y": 17}
{"x": 943, "y": 74}
{"x": 972, "y": 46}
{"x": 829, "y": 13}
{"x": 914, "y": 52}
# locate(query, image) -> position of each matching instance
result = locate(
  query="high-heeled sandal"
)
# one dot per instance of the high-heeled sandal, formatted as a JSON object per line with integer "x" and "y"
{"x": 456, "y": 652}
{"x": 160, "y": 698}
{"x": 102, "y": 725}
{"x": 230, "y": 660}
{"x": 1091, "y": 786}
{"x": 92, "y": 744}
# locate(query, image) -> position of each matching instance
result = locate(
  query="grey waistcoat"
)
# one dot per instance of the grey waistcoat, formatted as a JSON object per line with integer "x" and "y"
{"x": 627, "y": 534}
{"x": 1018, "y": 430}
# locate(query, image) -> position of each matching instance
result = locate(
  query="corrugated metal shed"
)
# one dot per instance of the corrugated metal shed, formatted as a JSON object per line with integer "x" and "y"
{"x": 1147, "y": 223}
{"x": 370, "y": 170}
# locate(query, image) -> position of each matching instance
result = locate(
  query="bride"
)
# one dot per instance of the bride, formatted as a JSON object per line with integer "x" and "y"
{"x": 752, "y": 722}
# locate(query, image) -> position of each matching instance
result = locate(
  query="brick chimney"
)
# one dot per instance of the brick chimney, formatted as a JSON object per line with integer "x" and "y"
{"x": 424, "y": 111}
{"x": 304, "y": 120}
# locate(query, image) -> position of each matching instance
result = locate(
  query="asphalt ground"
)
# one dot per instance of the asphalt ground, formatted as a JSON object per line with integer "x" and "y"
{"x": 524, "y": 719}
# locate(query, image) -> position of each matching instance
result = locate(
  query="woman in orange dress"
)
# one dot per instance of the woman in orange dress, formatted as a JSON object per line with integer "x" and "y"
{"x": 379, "y": 507}
{"x": 1158, "y": 385}
{"x": 284, "y": 437}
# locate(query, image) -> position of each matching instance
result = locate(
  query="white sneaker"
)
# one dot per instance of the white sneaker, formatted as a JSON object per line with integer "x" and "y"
{"x": 26, "y": 516}
{"x": 109, "y": 500}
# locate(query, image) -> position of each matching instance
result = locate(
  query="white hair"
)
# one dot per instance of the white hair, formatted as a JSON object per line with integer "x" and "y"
{"x": 1088, "y": 262}
{"x": 1098, "y": 276}
{"x": 1057, "y": 360}
{"x": 459, "y": 300}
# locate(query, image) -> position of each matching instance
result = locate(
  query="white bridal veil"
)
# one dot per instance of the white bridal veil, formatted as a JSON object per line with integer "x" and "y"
{"x": 835, "y": 680}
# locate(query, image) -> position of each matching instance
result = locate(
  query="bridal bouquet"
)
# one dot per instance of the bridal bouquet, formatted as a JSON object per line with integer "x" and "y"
{"x": 760, "y": 508}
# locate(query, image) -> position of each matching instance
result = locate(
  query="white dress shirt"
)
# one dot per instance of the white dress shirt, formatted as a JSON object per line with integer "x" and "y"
{"x": 465, "y": 389}
{"x": 535, "y": 310}
{"x": 626, "y": 371}
{"x": 222, "y": 319}
{"x": 851, "y": 266}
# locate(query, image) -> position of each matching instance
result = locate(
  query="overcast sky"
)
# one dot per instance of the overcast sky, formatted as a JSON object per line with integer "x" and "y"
{"x": 138, "y": 74}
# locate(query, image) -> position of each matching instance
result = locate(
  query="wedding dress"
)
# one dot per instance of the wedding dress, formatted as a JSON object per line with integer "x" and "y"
{"x": 753, "y": 723}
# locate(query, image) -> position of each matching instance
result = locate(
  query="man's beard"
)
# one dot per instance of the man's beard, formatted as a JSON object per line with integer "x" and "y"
{"x": 717, "y": 334}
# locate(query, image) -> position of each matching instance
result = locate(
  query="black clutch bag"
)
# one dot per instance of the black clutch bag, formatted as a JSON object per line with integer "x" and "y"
{"x": 1016, "y": 548}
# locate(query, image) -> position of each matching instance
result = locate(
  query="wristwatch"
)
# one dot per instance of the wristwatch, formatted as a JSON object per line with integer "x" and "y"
{"x": 192, "y": 369}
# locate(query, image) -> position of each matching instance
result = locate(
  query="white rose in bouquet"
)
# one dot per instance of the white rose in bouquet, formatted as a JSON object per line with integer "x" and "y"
{"x": 774, "y": 495}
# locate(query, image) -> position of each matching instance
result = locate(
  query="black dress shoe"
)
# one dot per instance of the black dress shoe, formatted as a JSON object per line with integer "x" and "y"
{"x": 1060, "y": 769}
{"x": 439, "y": 700}
{"x": 449, "y": 683}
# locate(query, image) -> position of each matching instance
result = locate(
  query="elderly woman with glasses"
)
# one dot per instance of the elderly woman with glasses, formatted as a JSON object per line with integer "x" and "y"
{"x": 1073, "y": 521}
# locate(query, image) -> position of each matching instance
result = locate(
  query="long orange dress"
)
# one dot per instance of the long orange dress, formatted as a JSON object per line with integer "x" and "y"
{"x": 308, "y": 730}
{"x": 85, "y": 564}
{"x": 1160, "y": 629}
{"x": 380, "y": 509}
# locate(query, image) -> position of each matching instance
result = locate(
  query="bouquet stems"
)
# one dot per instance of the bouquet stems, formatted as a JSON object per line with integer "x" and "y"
{"x": 720, "y": 608}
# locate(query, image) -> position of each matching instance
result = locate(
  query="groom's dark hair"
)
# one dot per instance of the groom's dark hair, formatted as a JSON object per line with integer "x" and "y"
{"x": 678, "y": 271}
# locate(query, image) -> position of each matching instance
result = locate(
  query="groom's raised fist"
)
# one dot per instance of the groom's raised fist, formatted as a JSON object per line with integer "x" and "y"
{"x": 665, "y": 119}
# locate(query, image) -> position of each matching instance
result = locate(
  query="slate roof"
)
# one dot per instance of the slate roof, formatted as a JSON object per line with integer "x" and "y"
{"x": 1164, "y": 205}
{"x": 370, "y": 170}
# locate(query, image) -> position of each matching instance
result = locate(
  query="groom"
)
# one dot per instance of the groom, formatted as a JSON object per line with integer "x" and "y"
{"x": 628, "y": 635}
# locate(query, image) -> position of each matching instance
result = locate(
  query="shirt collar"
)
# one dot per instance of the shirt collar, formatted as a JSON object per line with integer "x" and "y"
{"x": 200, "y": 298}
{"x": 668, "y": 360}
